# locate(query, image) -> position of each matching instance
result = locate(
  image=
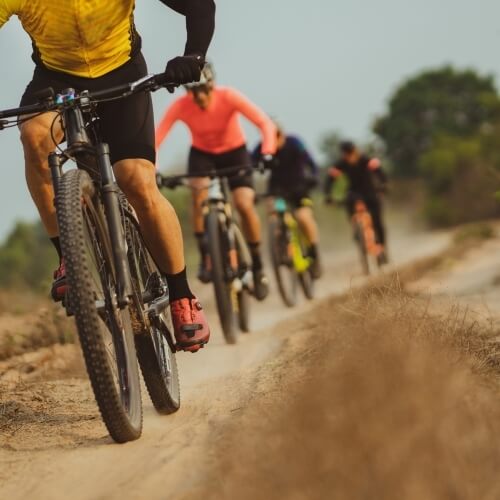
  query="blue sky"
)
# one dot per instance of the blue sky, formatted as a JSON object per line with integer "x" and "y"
{"x": 316, "y": 65}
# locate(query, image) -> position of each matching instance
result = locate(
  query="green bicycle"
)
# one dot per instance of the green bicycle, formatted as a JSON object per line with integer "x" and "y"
{"x": 289, "y": 255}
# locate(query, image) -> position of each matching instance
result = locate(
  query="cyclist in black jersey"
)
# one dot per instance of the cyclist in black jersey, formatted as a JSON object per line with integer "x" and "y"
{"x": 294, "y": 173}
{"x": 367, "y": 180}
{"x": 112, "y": 56}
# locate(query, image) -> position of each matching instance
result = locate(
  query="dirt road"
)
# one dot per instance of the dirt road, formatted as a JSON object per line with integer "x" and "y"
{"x": 53, "y": 444}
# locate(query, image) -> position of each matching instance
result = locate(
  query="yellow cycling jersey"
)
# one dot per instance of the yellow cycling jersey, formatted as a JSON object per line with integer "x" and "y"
{"x": 87, "y": 38}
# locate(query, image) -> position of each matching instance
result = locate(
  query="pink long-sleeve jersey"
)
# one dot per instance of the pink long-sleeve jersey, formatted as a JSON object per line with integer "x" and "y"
{"x": 217, "y": 129}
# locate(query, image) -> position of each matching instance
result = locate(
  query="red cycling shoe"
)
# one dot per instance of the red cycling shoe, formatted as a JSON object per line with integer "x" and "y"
{"x": 190, "y": 324}
{"x": 60, "y": 284}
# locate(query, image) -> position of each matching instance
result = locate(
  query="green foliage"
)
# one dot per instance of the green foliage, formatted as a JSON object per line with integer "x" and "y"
{"x": 474, "y": 232}
{"x": 27, "y": 257}
{"x": 461, "y": 176}
{"x": 435, "y": 103}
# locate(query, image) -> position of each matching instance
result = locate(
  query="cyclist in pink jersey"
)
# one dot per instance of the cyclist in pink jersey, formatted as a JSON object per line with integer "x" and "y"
{"x": 212, "y": 115}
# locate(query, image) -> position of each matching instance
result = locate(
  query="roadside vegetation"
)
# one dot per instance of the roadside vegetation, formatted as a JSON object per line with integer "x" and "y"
{"x": 442, "y": 126}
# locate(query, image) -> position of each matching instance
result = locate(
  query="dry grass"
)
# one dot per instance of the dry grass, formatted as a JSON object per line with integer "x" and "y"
{"x": 390, "y": 402}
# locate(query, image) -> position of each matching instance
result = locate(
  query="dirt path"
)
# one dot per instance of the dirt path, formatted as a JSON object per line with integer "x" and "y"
{"x": 53, "y": 444}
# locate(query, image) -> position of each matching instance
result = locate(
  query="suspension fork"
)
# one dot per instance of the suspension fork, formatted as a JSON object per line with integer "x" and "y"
{"x": 109, "y": 191}
{"x": 55, "y": 166}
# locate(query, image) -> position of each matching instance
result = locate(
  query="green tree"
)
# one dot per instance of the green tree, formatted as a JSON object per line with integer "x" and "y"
{"x": 435, "y": 103}
{"x": 27, "y": 257}
{"x": 461, "y": 176}
{"x": 329, "y": 146}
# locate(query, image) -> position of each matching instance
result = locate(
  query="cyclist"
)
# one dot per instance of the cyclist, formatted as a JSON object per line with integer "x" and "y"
{"x": 366, "y": 179}
{"x": 212, "y": 115}
{"x": 93, "y": 46}
{"x": 294, "y": 174}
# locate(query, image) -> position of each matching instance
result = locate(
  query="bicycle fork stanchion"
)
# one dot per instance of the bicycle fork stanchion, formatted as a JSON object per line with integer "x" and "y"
{"x": 112, "y": 208}
{"x": 55, "y": 172}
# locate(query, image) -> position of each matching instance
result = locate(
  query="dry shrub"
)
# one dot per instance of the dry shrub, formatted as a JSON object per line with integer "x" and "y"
{"x": 389, "y": 402}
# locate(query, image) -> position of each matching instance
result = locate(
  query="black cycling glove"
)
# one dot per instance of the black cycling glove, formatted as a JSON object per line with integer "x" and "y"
{"x": 184, "y": 69}
{"x": 268, "y": 161}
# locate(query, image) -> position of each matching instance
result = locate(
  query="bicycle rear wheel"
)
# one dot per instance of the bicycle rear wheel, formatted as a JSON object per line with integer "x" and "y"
{"x": 105, "y": 331}
{"x": 282, "y": 262}
{"x": 154, "y": 344}
{"x": 223, "y": 291}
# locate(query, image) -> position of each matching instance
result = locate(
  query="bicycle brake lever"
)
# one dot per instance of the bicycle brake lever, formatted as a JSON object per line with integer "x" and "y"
{"x": 3, "y": 124}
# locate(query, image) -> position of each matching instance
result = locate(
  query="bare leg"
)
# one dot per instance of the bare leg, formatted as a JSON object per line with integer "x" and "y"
{"x": 159, "y": 223}
{"x": 307, "y": 223}
{"x": 200, "y": 193}
{"x": 244, "y": 201}
{"x": 37, "y": 144}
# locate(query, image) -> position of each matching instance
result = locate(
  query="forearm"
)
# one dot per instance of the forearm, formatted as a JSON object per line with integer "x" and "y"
{"x": 200, "y": 23}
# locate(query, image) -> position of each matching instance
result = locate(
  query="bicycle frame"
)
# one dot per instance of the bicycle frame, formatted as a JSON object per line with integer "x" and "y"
{"x": 300, "y": 263}
{"x": 80, "y": 147}
{"x": 218, "y": 197}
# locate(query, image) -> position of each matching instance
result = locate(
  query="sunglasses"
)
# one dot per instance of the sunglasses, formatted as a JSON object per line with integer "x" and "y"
{"x": 200, "y": 89}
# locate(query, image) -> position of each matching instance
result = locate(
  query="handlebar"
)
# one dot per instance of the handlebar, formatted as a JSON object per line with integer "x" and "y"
{"x": 172, "y": 181}
{"x": 149, "y": 83}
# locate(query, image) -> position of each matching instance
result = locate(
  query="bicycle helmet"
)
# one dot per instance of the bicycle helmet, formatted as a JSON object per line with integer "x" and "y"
{"x": 347, "y": 147}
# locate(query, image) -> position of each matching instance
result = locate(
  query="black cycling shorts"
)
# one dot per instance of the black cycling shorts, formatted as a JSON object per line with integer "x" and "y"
{"x": 126, "y": 125}
{"x": 201, "y": 162}
{"x": 296, "y": 199}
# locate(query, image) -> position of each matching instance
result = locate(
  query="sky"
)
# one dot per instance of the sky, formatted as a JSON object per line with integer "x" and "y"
{"x": 316, "y": 66}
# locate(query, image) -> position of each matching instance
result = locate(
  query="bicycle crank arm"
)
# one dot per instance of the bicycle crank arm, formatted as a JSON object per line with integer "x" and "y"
{"x": 158, "y": 307}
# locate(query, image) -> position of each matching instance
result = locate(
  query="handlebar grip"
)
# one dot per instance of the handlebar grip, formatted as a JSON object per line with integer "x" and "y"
{"x": 44, "y": 94}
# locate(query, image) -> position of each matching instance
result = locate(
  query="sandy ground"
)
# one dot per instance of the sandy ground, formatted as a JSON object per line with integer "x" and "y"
{"x": 53, "y": 444}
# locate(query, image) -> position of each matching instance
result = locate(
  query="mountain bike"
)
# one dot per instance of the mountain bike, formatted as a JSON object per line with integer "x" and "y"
{"x": 230, "y": 261}
{"x": 116, "y": 293}
{"x": 371, "y": 253}
{"x": 288, "y": 246}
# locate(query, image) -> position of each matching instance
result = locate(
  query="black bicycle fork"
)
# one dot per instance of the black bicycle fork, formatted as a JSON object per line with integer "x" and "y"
{"x": 79, "y": 143}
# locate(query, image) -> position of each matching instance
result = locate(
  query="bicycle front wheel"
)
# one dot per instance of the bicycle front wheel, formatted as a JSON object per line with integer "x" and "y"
{"x": 105, "y": 331}
{"x": 226, "y": 302}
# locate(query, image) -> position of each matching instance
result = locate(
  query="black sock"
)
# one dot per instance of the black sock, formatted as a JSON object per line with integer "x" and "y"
{"x": 178, "y": 286}
{"x": 256, "y": 258}
{"x": 202, "y": 244}
{"x": 57, "y": 245}
{"x": 313, "y": 251}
